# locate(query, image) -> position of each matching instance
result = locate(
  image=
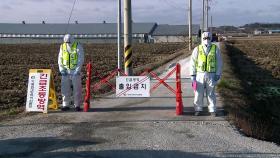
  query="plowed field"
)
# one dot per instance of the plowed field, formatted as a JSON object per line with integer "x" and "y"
{"x": 16, "y": 60}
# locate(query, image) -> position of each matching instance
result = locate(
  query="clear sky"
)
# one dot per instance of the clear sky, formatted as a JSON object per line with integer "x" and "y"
{"x": 224, "y": 12}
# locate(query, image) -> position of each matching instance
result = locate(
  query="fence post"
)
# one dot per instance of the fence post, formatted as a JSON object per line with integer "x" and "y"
{"x": 87, "y": 97}
{"x": 179, "y": 101}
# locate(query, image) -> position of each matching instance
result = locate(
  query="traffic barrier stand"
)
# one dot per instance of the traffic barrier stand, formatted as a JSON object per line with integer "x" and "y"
{"x": 137, "y": 83}
{"x": 97, "y": 85}
{"x": 179, "y": 101}
{"x": 177, "y": 92}
{"x": 87, "y": 97}
{"x": 105, "y": 80}
{"x": 162, "y": 81}
{"x": 147, "y": 72}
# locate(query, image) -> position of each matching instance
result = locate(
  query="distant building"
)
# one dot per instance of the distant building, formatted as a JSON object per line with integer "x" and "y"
{"x": 91, "y": 32}
{"x": 273, "y": 31}
{"x": 173, "y": 33}
{"x": 258, "y": 32}
{"x": 53, "y": 33}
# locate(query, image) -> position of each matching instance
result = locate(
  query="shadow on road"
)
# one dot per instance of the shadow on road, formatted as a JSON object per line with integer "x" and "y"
{"x": 56, "y": 147}
{"x": 187, "y": 110}
{"x": 63, "y": 148}
{"x": 130, "y": 109}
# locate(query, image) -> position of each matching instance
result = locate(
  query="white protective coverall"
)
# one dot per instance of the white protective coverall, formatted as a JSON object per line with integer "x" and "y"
{"x": 71, "y": 76}
{"x": 205, "y": 81}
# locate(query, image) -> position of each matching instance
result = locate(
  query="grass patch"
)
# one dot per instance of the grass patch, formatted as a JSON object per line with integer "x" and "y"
{"x": 11, "y": 112}
{"x": 223, "y": 84}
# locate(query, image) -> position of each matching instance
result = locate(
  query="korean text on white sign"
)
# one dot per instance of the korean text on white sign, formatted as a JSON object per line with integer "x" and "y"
{"x": 132, "y": 86}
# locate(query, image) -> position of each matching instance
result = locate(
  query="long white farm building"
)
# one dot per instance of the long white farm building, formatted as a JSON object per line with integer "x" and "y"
{"x": 91, "y": 32}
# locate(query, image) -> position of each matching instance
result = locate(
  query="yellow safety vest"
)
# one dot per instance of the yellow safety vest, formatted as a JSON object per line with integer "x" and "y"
{"x": 206, "y": 63}
{"x": 70, "y": 59}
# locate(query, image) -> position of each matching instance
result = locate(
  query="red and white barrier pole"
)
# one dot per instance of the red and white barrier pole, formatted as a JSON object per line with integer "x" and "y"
{"x": 179, "y": 101}
{"x": 87, "y": 97}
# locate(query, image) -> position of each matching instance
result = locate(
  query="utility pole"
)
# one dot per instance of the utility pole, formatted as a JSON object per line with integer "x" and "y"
{"x": 207, "y": 17}
{"x": 203, "y": 15}
{"x": 190, "y": 24}
{"x": 119, "y": 35}
{"x": 127, "y": 38}
{"x": 211, "y": 28}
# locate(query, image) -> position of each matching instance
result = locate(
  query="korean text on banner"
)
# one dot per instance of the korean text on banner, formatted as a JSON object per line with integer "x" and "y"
{"x": 40, "y": 91}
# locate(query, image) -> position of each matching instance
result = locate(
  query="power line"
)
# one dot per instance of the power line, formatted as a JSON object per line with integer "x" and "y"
{"x": 66, "y": 31}
{"x": 172, "y": 5}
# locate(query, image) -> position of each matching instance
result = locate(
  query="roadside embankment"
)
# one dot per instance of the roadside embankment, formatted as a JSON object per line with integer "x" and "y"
{"x": 250, "y": 88}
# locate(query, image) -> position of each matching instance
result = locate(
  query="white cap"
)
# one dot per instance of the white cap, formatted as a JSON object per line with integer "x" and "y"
{"x": 68, "y": 38}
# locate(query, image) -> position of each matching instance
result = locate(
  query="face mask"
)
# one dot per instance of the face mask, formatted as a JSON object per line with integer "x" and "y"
{"x": 206, "y": 42}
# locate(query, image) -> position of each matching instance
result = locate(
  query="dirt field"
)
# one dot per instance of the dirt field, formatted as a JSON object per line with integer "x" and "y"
{"x": 251, "y": 86}
{"x": 16, "y": 60}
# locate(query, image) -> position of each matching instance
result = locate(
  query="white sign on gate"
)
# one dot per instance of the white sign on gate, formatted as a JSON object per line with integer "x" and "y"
{"x": 132, "y": 86}
{"x": 38, "y": 91}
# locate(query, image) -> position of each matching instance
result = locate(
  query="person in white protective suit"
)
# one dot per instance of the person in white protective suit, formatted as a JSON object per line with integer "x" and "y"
{"x": 205, "y": 70}
{"x": 70, "y": 61}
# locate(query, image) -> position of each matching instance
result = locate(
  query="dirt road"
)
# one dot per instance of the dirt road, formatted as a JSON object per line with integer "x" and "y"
{"x": 135, "y": 128}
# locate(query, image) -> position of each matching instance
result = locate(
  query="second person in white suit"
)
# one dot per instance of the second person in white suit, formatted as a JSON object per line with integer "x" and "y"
{"x": 206, "y": 70}
{"x": 70, "y": 62}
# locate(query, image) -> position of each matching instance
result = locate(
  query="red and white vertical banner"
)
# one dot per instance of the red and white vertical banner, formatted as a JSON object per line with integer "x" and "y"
{"x": 38, "y": 90}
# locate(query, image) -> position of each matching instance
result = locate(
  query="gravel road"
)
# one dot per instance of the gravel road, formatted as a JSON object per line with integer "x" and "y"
{"x": 141, "y": 127}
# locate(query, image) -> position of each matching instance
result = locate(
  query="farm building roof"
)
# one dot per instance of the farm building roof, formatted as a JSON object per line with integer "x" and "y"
{"x": 84, "y": 28}
{"x": 164, "y": 30}
{"x": 274, "y": 31}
